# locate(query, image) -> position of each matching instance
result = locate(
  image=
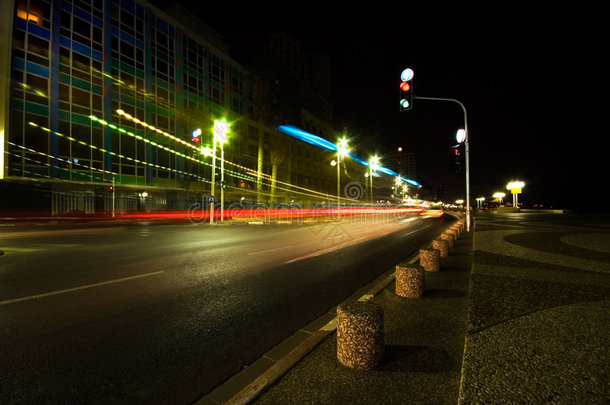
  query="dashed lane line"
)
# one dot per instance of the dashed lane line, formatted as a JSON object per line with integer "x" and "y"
{"x": 82, "y": 287}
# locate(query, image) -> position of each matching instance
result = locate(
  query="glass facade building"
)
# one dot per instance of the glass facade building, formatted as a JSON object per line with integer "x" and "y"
{"x": 104, "y": 91}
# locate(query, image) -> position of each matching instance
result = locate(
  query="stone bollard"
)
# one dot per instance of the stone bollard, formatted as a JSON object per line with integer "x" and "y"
{"x": 442, "y": 246}
{"x": 448, "y": 237}
{"x": 429, "y": 259}
{"x": 360, "y": 335}
{"x": 453, "y": 233}
{"x": 410, "y": 281}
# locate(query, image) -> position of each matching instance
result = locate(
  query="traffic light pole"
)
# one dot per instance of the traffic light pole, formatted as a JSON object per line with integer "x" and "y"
{"x": 467, "y": 151}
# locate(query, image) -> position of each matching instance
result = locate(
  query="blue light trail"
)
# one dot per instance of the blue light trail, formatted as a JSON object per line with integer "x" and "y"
{"x": 324, "y": 144}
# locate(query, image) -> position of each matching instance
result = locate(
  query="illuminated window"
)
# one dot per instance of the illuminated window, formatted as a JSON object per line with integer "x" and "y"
{"x": 36, "y": 11}
{"x": 24, "y": 15}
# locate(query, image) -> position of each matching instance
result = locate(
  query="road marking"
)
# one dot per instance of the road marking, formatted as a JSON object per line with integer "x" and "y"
{"x": 83, "y": 287}
{"x": 55, "y": 232}
{"x": 20, "y": 250}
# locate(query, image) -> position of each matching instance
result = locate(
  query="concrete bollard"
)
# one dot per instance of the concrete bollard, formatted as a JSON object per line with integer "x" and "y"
{"x": 453, "y": 233}
{"x": 360, "y": 335}
{"x": 429, "y": 259}
{"x": 410, "y": 281}
{"x": 448, "y": 237}
{"x": 442, "y": 246}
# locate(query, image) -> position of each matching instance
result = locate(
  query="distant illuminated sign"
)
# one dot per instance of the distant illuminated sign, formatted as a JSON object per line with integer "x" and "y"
{"x": 460, "y": 136}
{"x": 515, "y": 187}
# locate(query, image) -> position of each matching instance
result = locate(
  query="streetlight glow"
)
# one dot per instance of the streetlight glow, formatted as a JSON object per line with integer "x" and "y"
{"x": 342, "y": 147}
{"x": 221, "y": 128}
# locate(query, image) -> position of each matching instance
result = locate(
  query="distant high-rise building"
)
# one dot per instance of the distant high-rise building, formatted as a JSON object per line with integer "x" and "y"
{"x": 401, "y": 162}
{"x": 310, "y": 69}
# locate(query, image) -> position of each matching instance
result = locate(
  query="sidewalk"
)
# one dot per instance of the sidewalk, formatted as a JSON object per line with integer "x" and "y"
{"x": 539, "y": 311}
{"x": 518, "y": 313}
{"x": 424, "y": 340}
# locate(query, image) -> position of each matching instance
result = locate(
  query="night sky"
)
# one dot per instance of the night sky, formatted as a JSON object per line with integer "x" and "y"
{"x": 534, "y": 85}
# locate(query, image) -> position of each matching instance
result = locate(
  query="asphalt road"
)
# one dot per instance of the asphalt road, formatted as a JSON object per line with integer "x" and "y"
{"x": 149, "y": 313}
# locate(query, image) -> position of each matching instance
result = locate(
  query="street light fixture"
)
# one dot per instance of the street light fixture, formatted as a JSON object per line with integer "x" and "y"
{"x": 206, "y": 151}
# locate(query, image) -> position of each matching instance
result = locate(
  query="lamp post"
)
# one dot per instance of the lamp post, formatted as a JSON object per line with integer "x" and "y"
{"x": 466, "y": 151}
{"x": 341, "y": 151}
{"x": 398, "y": 185}
{"x": 373, "y": 165}
{"x": 220, "y": 134}
{"x": 499, "y": 196}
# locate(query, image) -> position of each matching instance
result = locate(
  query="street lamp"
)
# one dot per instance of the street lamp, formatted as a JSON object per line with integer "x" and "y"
{"x": 342, "y": 150}
{"x": 221, "y": 128}
{"x": 206, "y": 151}
{"x": 499, "y": 196}
{"x": 515, "y": 188}
{"x": 398, "y": 186}
{"x": 373, "y": 165}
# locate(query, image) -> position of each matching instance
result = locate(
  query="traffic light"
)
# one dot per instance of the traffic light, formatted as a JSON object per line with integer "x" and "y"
{"x": 111, "y": 188}
{"x": 456, "y": 157}
{"x": 406, "y": 90}
{"x": 196, "y": 135}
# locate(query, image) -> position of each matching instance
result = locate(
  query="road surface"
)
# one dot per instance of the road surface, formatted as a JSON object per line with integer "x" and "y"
{"x": 151, "y": 313}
